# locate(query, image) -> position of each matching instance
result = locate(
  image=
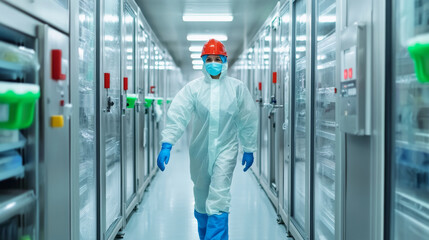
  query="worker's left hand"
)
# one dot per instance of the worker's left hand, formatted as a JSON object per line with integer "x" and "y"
{"x": 248, "y": 160}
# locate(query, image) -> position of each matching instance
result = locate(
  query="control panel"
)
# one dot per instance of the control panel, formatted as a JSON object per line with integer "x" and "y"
{"x": 354, "y": 95}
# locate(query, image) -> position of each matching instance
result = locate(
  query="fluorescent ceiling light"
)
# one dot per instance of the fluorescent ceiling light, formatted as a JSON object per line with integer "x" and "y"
{"x": 206, "y": 37}
{"x": 197, "y": 67}
{"x": 196, "y": 55}
{"x": 195, "y": 48}
{"x": 197, "y": 62}
{"x": 207, "y": 18}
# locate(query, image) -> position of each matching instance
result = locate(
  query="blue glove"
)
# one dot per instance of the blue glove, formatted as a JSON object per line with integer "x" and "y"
{"x": 164, "y": 155}
{"x": 248, "y": 160}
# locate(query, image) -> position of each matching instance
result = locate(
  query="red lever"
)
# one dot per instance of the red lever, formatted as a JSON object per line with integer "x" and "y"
{"x": 274, "y": 77}
{"x": 56, "y": 65}
{"x": 152, "y": 89}
{"x": 106, "y": 80}
{"x": 125, "y": 83}
{"x": 260, "y": 86}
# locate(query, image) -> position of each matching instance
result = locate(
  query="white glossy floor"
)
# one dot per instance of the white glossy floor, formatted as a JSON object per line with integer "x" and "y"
{"x": 166, "y": 211}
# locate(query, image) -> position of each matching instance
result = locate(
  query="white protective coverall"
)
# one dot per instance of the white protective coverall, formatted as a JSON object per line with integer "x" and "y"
{"x": 222, "y": 112}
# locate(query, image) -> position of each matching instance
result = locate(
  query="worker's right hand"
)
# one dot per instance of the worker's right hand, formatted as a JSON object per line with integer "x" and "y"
{"x": 164, "y": 155}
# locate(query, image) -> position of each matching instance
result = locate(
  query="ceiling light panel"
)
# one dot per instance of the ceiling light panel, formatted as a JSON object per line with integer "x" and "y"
{"x": 197, "y": 62}
{"x": 195, "y": 48}
{"x": 207, "y": 18}
{"x": 206, "y": 37}
{"x": 196, "y": 55}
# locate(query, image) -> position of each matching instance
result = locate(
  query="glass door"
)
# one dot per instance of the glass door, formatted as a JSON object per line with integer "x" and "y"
{"x": 111, "y": 119}
{"x": 300, "y": 140}
{"x": 410, "y": 126}
{"x": 264, "y": 58}
{"x": 140, "y": 83}
{"x": 284, "y": 73}
{"x": 129, "y": 124}
{"x": 87, "y": 120}
{"x": 325, "y": 121}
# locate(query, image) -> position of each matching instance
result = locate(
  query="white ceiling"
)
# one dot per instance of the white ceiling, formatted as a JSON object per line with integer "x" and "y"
{"x": 165, "y": 18}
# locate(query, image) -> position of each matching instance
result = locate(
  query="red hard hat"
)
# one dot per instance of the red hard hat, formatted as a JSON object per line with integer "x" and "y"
{"x": 214, "y": 47}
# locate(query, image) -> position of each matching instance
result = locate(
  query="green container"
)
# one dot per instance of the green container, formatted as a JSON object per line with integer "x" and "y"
{"x": 148, "y": 102}
{"x": 168, "y": 101}
{"x": 131, "y": 100}
{"x": 419, "y": 52}
{"x": 25, "y": 237}
{"x": 17, "y": 104}
{"x": 160, "y": 101}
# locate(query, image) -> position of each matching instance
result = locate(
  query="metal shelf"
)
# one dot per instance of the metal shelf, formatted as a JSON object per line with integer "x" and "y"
{"x": 14, "y": 202}
{"x": 327, "y": 44}
{"x": 14, "y": 145}
{"x": 326, "y": 135}
{"x": 416, "y": 208}
{"x": 330, "y": 64}
{"x": 16, "y": 172}
{"x": 327, "y": 167}
{"x": 325, "y": 123}
{"x": 328, "y": 220}
{"x": 329, "y": 193}
{"x": 301, "y": 129}
{"x": 418, "y": 147}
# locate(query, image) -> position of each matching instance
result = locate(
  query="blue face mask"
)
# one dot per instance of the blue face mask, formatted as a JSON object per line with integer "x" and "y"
{"x": 214, "y": 68}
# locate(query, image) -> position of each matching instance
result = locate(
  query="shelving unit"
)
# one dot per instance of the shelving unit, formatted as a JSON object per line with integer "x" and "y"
{"x": 15, "y": 202}
{"x": 19, "y": 70}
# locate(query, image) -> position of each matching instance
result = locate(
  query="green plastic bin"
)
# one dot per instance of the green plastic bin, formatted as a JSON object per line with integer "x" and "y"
{"x": 419, "y": 52}
{"x": 17, "y": 104}
{"x": 131, "y": 100}
{"x": 148, "y": 102}
{"x": 160, "y": 101}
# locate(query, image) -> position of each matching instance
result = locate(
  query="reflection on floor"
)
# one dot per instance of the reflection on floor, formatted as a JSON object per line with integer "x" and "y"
{"x": 166, "y": 211}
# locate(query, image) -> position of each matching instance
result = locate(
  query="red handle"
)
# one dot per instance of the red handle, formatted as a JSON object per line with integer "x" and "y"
{"x": 274, "y": 77}
{"x": 106, "y": 80}
{"x": 260, "y": 86}
{"x": 152, "y": 89}
{"x": 56, "y": 65}
{"x": 125, "y": 83}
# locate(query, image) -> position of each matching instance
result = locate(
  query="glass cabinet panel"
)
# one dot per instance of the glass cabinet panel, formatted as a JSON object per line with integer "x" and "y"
{"x": 284, "y": 62}
{"x": 325, "y": 122}
{"x": 112, "y": 131}
{"x": 410, "y": 193}
{"x": 87, "y": 120}
{"x": 129, "y": 72}
{"x": 300, "y": 116}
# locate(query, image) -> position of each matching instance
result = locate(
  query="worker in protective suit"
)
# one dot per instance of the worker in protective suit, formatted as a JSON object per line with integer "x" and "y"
{"x": 224, "y": 114}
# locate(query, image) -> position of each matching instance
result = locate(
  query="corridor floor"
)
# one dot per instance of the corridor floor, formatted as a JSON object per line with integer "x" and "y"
{"x": 166, "y": 211}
